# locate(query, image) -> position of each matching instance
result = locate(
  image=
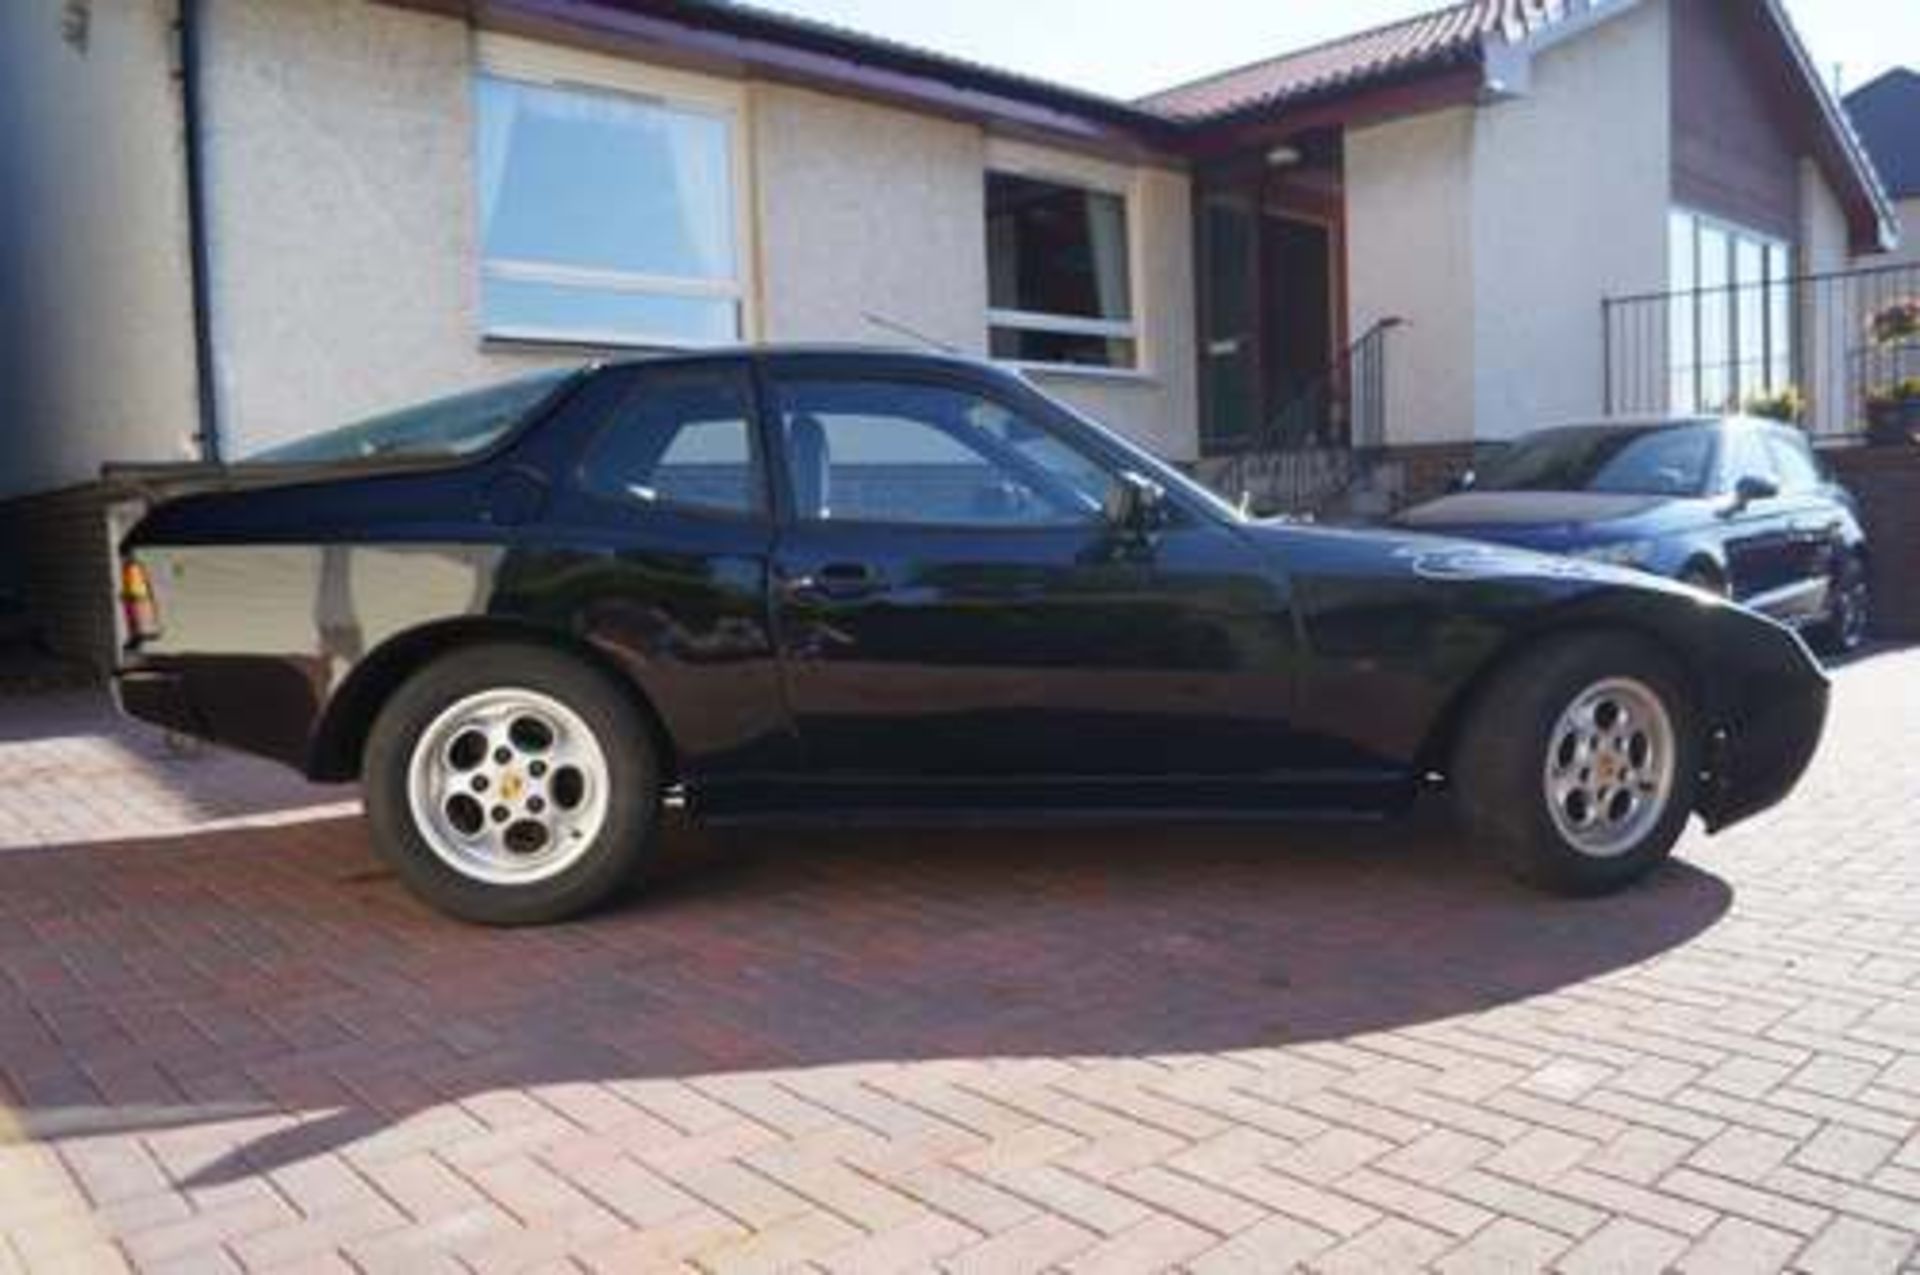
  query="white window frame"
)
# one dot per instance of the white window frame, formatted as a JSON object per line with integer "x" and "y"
{"x": 1017, "y": 159}
{"x": 1735, "y": 233}
{"x": 523, "y": 61}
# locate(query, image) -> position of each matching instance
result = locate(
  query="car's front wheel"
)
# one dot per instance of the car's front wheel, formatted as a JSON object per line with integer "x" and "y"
{"x": 512, "y": 785}
{"x": 1580, "y": 763}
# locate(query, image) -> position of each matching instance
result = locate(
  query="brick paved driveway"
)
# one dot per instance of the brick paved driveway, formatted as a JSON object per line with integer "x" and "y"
{"x": 241, "y": 1044}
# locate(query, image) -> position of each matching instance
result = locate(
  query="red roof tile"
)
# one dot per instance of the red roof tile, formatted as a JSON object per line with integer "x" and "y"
{"x": 1453, "y": 34}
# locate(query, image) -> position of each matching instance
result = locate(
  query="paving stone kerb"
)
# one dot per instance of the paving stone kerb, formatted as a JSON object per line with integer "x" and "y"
{"x": 243, "y": 1046}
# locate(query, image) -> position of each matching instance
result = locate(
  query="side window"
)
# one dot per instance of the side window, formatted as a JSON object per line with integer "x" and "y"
{"x": 912, "y": 453}
{"x": 683, "y": 438}
{"x": 1799, "y": 472}
{"x": 1745, "y": 455}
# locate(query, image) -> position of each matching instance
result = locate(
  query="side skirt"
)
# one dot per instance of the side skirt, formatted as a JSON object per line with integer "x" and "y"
{"x": 1001, "y": 802}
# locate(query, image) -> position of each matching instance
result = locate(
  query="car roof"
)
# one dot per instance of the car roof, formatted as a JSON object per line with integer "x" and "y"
{"x": 893, "y": 355}
{"x": 1652, "y": 420}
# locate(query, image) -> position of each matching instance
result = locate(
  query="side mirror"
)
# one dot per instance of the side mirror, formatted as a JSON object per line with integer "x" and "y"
{"x": 1134, "y": 502}
{"x": 1462, "y": 481}
{"x": 1751, "y": 489}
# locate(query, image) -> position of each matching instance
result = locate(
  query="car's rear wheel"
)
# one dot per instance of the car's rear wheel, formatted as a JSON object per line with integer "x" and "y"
{"x": 512, "y": 785}
{"x": 1850, "y": 610}
{"x": 1580, "y": 763}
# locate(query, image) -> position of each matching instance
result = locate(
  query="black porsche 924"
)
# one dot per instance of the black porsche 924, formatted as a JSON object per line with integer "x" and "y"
{"x": 780, "y": 581}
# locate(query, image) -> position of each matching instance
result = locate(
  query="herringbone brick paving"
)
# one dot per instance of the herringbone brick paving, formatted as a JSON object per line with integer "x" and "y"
{"x": 1243, "y": 1050}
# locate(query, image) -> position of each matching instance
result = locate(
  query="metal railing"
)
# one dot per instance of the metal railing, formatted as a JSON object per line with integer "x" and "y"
{"x": 1310, "y": 454}
{"x": 1828, "y": 342}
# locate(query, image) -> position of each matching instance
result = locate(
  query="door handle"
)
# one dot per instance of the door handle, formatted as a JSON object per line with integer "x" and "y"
{"x": 838, "y": 581}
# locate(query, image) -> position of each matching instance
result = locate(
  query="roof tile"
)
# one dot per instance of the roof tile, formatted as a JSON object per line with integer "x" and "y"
{"x": 1455, "y": 33}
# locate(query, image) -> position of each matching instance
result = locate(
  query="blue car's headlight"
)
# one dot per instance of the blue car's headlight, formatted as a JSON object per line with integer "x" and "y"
{"x": 1621, "y": 553}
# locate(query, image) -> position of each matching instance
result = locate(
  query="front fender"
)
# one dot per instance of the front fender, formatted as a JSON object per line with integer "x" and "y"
{"x": 1403, "y": 632}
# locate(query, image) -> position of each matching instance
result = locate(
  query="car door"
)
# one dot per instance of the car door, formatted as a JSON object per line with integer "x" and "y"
{"x": 1816, "y": 526}
{"x": 657, "y": 552}
{"x": 1755, "y": 534}
{"x": 952, "y": 603}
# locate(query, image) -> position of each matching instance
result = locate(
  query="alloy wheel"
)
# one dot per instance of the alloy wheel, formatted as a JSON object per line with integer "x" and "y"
{"x": 1610, "y": 767}
{"x": 508, "y": 786}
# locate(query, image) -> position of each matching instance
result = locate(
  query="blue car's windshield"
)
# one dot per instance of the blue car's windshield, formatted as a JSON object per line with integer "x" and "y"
{"x": 1652, "y": 460}
{"x": 458, "y": 425}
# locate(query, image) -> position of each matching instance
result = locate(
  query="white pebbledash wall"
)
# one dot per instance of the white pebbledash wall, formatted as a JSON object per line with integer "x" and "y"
{"x": 1572, "y": 188}
{"x": 344, "y": 247}
{"x": 96, "y": 337}
{"x": 345, "y": 252}
{"x": 1495, "y": 230}
{"x": 1826, "y": 329}
{"x": 1410, "y": 247}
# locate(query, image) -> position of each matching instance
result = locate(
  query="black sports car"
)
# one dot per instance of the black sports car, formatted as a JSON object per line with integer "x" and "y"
{"x": 1738, "y": 506}
{"x": 778, "y": 581}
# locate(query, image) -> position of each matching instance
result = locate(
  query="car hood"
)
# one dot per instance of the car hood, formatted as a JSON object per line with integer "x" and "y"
{"x": 1394, "y": 553}
{"x": 1517, "y": 509}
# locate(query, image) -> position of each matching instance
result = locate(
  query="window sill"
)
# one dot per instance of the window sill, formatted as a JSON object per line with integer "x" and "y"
{"x": 582, "y": 348}
{"x": 586, "y": 346}
{"x": 1082, "y": 371}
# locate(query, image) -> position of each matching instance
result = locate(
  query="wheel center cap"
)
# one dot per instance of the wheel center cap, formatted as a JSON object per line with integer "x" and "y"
{"x": 511, "y": 785}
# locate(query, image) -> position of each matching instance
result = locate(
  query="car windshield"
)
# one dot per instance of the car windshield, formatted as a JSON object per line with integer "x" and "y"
{"x": 458, "y": 425}
{"x": 1654, "y": 460}
{"x": 1149, "y": 465}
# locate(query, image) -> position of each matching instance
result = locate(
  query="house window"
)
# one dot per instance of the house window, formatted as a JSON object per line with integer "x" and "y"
{"x": 1730, "y": 329}
{"x": 606, "y": 217}
{"x": 1059, "y": 281}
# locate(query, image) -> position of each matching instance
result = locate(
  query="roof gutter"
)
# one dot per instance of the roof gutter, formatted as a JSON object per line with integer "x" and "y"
{"x": 1853, "y": 150}
{"x": 725, "y": 36}
{"x": 193, "y": 144}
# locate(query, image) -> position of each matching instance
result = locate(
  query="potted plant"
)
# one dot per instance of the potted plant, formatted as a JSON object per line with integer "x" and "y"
{"x": 1893, "y": 412}
{"x": 1786, "y": 405}
{"x": 1892, "y": 324}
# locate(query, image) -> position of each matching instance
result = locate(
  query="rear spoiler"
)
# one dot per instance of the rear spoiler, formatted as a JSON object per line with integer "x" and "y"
{"x": 155, "y": 481}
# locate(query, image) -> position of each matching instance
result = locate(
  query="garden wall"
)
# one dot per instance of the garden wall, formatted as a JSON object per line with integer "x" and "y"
{"x": 1886, "y": 481}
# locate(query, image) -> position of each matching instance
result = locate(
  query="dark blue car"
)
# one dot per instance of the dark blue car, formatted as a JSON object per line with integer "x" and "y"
{"x": 1735, "y": 505}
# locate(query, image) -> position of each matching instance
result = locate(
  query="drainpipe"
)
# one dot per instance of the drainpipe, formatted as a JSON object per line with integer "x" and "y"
{"x": 193, "y": 144}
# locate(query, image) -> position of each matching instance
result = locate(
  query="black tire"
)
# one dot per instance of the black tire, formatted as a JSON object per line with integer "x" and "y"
{"x": 1500, "y": 765}
{"x": 1850, "y": 613}
{"x": 625, "y": 843}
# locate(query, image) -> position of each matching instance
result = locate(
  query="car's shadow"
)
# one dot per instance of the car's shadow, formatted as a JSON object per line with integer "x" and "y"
{"x": 279, "y": 971}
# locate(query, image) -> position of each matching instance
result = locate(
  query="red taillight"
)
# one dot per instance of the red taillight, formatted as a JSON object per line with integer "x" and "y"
{"x": 142, "y": 614}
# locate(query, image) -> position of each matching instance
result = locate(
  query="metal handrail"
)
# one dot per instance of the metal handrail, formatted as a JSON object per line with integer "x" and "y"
{"x": 1334, "y": 389}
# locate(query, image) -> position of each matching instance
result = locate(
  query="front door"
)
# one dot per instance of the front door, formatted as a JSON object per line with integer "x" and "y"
{"x": 1757, "y": 534}
{"x": 952, "y": 602}
{"x": 1232, "y": 354}
{"x": 1297, "y": 329}
{"x": 1815, "y": 527}
{"x": 1268, "y": 331}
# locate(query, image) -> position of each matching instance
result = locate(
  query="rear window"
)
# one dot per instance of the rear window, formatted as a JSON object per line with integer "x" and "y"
{"x": 445, "y": 428}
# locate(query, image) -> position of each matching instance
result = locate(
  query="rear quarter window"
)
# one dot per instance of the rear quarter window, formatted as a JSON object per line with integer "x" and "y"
{"x": 681, "y": 439}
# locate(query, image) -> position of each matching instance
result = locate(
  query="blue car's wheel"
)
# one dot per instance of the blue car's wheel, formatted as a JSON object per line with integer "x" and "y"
{"x": 1849, "y": 608}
